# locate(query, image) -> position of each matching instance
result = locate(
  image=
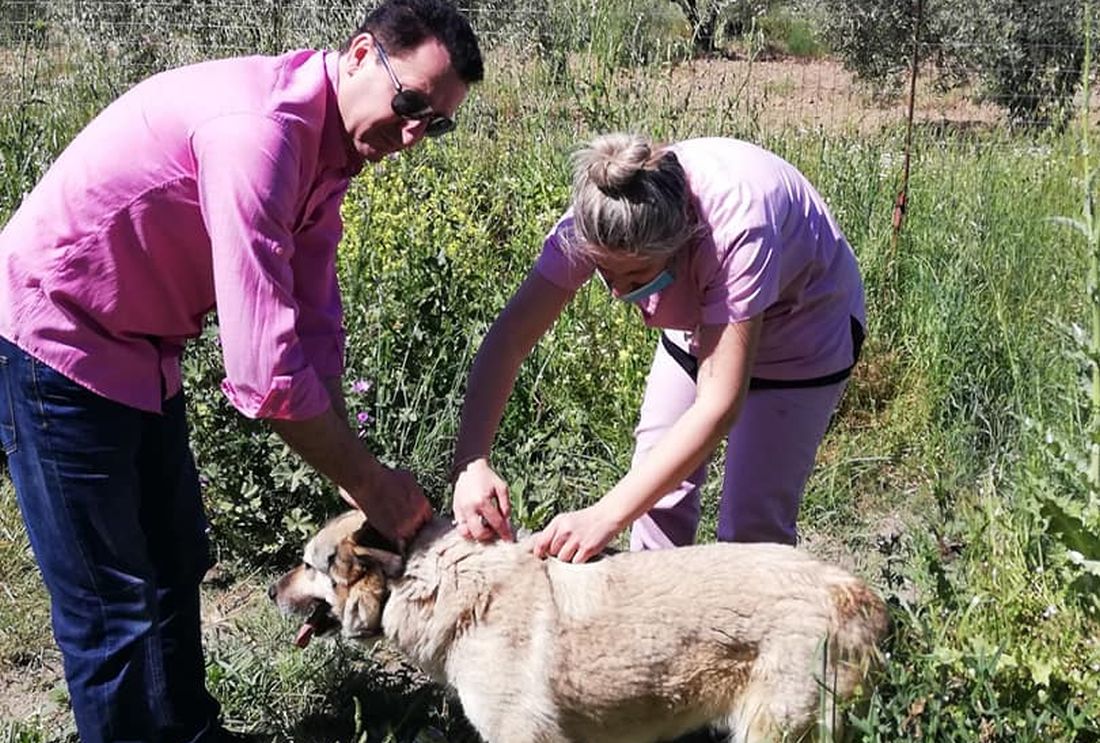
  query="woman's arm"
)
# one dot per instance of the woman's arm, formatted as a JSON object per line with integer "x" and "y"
{"x": 481, "y": 498}
{"x": 726, "y": 356}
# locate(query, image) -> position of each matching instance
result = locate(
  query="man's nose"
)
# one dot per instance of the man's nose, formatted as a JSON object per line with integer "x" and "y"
{"x": 413, "y": 131}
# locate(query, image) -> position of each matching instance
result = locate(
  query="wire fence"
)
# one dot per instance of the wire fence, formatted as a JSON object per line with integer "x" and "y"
{"x": 143, "y": 36}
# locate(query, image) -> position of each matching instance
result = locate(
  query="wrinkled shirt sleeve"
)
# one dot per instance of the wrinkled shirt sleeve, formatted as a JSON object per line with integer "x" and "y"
{"x": 558, "y": 262}
{"x": 746, "y": 281}
{"x": 316, "y": 286}
{"x": 250, "y": 178}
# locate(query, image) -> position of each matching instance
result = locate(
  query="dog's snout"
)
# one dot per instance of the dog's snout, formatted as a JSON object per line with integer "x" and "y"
{"x": 272, "y": 590}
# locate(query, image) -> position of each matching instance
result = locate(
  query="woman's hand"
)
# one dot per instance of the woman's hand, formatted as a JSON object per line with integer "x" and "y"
{"x": 481, "y": 506}
{"x": 480, "y": 497}
{"x": 576, "y": 536}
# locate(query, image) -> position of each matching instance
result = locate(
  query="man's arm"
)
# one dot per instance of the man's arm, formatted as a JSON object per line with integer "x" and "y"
{"x": 391, "y": 500}
{"x": 335, "y": 387}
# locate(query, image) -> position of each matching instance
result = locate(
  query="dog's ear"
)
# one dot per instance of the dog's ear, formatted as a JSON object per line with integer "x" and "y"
{"x": 373, "y": 548}
{"x": 352, "y": 561}
{"x": 362, "y": 614}
{"x": 392, "y": 564}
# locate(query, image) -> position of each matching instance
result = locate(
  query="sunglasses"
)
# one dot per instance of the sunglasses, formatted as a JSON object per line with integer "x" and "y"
{"x": 412, "y": 104}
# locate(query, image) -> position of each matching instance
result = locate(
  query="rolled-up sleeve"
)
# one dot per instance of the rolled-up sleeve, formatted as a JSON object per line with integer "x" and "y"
{"x": 250, "y": 178}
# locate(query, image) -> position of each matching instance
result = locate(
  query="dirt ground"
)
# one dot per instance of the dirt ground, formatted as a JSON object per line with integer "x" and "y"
{"x": 823, "y": 95}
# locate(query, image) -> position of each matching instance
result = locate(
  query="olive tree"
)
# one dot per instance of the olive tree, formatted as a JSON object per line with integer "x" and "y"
{"x": 1022, "y": 55}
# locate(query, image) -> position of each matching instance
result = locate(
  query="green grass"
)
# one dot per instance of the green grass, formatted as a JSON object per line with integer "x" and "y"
{"x": 27, "y": 654}
{"x": 931, "y": 483}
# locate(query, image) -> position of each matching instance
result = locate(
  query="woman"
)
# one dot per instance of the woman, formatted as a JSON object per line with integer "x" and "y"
{"x": 733, "y": 254}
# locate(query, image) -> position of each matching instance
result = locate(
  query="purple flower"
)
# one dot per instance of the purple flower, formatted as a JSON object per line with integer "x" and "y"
{"x": 363, "y": 417}
{"x": 360, "y": 386}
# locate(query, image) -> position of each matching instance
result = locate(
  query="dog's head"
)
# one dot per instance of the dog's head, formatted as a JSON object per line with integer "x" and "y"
{"x": 341, "y": 585}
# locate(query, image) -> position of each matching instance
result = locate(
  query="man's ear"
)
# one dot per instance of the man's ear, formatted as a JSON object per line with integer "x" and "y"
{"x": 358, "y": 49}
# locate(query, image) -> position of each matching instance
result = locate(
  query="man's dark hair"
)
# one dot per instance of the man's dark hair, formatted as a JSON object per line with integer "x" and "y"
{"x": 403, "y": 25}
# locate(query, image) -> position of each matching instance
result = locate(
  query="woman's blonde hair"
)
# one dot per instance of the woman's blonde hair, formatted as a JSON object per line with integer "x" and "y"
{"x": 630, "y": 196}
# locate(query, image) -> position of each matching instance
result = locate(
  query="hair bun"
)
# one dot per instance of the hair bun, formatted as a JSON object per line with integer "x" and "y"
{"x": 630, "y": 195}
{"x": 617, "y": 160}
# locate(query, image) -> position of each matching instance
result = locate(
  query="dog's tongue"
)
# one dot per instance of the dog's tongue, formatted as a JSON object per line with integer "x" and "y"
{"x": 315, "y": 618}
{"x": 305, "y": 634}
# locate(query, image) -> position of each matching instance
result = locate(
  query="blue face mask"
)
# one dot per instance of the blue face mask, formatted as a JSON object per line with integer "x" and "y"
{"x": 659, "y": 282}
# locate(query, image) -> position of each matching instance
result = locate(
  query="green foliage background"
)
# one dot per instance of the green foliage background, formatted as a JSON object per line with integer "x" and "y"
{"x": 950, "y": 478}
{"x": 1025, "y": 56}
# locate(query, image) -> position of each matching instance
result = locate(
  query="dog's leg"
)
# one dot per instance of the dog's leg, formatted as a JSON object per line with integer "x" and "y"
{"x": 753, "y": 720}
{"x": 525, "y": 732}
{"x": 760, "y": 728}
{"x": 499, "y": 720}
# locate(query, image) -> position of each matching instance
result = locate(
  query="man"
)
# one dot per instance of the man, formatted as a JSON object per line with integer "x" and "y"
{"x": 211, "y": 186}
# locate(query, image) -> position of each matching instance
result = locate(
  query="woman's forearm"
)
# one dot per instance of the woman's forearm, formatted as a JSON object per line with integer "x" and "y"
{"x": 678, "y": 453}
{"x": 529, "y": 314}
{"x": 727, "y": 354}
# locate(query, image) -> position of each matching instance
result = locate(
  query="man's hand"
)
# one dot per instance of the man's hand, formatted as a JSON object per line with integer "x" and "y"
{"x": 481, "y": 504}
{"x": 576, "y": 536}
{"x": 394, "y": 504}
{"x": 391, "y": 500}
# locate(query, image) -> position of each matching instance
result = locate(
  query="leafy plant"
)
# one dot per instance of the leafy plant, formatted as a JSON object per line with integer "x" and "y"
{"x": 1075, "y": 521}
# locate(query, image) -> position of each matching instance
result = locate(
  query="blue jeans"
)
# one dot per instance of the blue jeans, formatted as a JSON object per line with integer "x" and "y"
{"x": 110, "y": 497}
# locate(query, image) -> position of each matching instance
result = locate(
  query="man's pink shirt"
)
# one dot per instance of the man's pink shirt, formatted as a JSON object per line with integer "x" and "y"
{"x": 769, "y": 246}
{"x": 217, "y": 184}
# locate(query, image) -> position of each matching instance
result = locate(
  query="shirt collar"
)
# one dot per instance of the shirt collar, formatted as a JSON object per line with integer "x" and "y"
{"x": 336, "y": 150}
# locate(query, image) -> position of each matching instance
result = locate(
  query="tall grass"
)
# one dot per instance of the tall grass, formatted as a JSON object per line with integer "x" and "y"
{"x": 932, "y": 482}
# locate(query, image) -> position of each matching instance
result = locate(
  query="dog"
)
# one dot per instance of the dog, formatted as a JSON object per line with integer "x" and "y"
{"x": 761, "y": 641}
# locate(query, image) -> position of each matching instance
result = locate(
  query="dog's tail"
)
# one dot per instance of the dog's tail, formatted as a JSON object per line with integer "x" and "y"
{"x": 851, "y": 652}
{"x": 860, "y": 621}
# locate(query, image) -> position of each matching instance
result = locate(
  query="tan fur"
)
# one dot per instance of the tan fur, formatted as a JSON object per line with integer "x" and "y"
{"x": 633, "y": 648}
